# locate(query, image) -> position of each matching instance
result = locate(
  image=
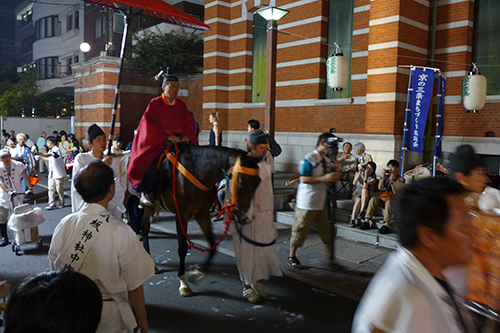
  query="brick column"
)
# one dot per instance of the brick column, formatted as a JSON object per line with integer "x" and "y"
{"x": 399, "y": 35}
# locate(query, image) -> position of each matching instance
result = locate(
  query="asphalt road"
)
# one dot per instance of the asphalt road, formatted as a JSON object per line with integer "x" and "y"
{"x": 217, "y": 304}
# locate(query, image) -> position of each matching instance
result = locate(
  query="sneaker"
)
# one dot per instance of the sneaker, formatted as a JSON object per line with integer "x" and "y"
{"x": 294, "y": 262}
{"x": 251, "y": 295}
{"x": 61, "y": 206}
{"x": 384, "y": 229}
{"x": 365, "y": 225}
{"x": 50, "y": 207}
{"x": 259, "y": 288}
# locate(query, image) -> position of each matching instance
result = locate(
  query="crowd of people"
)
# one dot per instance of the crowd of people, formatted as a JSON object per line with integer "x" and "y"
{"x": 94, "y": 252}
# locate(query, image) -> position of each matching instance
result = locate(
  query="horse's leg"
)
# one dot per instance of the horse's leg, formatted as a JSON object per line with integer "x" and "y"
{"x": 206, "y": 226}
{"x": 146, "y": 226}
{"x": 184, "y": 289}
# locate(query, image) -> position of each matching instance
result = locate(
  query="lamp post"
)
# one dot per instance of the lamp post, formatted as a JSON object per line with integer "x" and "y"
{"x": 84, "y": 47}
{"x": 272, "y": 15}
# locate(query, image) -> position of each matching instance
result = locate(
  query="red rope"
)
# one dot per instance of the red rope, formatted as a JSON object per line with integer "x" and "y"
{"x": 230, "y": 213}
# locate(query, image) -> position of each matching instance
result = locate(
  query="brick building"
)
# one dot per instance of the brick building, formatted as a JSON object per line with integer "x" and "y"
{"x": 379, "y": 37}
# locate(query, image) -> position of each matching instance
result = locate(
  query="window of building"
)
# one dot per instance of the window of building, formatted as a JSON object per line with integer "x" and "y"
{"x": 118, "y": 23}
{"x": 340, "y": 19}
{"x": 77, "y": 20}
{"x": 77, "y": 59}
{"x": 47, "y": 68}
{"x": 100, "y": 27}
{"x": 69, "y": 22}
{"x": 259, "y": 59}
{"x": 486, "y": 48}
{"x": 47, "y": 27}
{"x": 27, "y": 17}
{"x": 69, "y": 62}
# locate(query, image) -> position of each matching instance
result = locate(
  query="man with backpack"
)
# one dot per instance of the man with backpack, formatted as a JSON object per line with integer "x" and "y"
{"x": 273, "y": 149}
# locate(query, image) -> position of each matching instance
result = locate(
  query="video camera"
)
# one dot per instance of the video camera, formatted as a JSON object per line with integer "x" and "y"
{"x": 333, "y": 147}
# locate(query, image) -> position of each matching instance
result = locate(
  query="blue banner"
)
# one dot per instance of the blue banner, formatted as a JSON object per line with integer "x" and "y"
{"x": 422, "y": 83}
{"x": 440, "y": 116}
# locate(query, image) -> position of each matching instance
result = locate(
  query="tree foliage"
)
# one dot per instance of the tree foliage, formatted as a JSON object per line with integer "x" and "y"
{"x": 22, "y": 98}
{"x": 178, "y": 49}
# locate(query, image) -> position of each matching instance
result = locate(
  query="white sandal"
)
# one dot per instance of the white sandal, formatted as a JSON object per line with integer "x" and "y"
{"x": 259, "y": 288}
{"x": 251, "y": 295}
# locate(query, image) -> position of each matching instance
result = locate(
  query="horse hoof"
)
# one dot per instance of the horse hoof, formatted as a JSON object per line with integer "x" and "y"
{"x": 184, "y": 289}
{"x": 195, "y": 275}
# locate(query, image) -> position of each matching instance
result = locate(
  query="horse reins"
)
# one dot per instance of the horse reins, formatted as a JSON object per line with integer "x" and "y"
{"x": 230, "y": 207}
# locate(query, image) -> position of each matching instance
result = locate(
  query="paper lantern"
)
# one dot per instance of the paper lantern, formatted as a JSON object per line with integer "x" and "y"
{"x": 337, "y": 67}
{"x": 473, "y": 91}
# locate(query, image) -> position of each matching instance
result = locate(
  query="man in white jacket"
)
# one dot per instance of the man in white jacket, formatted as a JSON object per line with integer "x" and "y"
{"x": 410, "y": 292}
{"x": 102, "y": 247}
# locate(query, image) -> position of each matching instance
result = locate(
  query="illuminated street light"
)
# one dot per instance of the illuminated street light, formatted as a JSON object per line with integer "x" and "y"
{"x": 272, "y": 15}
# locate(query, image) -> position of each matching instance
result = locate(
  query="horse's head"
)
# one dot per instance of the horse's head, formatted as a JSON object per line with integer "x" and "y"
{"x": 244, "y": 181}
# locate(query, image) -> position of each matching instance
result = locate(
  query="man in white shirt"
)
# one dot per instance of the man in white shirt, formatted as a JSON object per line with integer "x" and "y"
{"x": 57, "y": 174}
{"x": 410, "y": 292}
{"x": 105, "y": 249}
{"x": 11, "y": 173}
{"x": 97, "y": 141}
{"x": 311, "y": 204}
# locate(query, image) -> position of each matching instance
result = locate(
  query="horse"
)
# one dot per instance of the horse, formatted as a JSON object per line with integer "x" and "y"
{"x": 207, "y": 165}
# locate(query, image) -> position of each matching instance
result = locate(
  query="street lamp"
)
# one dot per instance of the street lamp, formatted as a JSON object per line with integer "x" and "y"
{"x": 272, "y": 15}
{"x": 84, "y": 47}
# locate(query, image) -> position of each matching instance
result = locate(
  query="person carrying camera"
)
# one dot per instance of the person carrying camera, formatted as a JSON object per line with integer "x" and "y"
{"x": 312, "y": 198}
{"x": 390, "y": 176}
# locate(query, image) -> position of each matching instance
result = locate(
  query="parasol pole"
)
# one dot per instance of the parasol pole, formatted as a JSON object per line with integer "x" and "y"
{"x": 127, "y": 18}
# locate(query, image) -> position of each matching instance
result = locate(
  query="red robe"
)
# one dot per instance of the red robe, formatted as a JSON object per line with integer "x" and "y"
{"x": 159, "y": 121}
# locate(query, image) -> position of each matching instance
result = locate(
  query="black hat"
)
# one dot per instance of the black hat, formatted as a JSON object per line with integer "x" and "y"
{"x": 93, "y": 132}
{"x": 169, "y": 76}
{"x": 118, "y": 137}
{"x": 464, "y": 159}
{"x": 258, "y": 138}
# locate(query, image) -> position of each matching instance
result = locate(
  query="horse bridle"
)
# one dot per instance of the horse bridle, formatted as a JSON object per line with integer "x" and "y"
{"x": 237, "y": 169}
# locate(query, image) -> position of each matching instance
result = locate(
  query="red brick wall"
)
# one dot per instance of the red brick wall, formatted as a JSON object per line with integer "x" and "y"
{"x": 411, "y": 29}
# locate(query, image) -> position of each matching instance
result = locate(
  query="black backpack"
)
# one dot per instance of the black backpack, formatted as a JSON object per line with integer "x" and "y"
{"x": 274, "y": 147}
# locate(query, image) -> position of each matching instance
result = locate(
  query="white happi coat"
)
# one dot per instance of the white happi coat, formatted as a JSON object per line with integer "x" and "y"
{"x": 11, "y": 175}
{"x": 404, "y": 297}
{"x": 116, "y": 207}
{"x": 115, "y": 260}
{"x": 257, "y": 263}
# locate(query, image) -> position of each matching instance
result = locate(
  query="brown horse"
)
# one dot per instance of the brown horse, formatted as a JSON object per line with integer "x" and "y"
{"x": 206, "y": 164}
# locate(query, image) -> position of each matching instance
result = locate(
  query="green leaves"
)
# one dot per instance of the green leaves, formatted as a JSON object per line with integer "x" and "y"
{"x": 180, "y": 50}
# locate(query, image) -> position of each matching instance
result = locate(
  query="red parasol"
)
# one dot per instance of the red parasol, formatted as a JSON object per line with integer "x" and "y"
{"x": 153, "y": 8}
{"x": 156, "y": 8}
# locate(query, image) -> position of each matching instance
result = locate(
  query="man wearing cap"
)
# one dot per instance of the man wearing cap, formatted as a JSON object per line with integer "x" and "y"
{"x": 312, "y": 199}
{"x": 11, "y": 173}
{"x": 254, "y": 248}
{"x": 166, "y": 118}
{"x": 117, "y": 144}
{"x": 97, "y": 142}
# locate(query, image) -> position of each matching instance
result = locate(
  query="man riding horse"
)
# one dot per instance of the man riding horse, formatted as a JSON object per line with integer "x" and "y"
{"x": 166, "y": 118}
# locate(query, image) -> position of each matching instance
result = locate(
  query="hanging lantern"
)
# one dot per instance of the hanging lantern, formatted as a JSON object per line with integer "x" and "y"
{"x": 473, "y": 90}
{"x": 337, "y": 67}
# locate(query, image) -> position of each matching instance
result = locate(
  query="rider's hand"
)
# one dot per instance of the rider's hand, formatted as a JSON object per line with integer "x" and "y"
{"x": 185, "y": 139}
